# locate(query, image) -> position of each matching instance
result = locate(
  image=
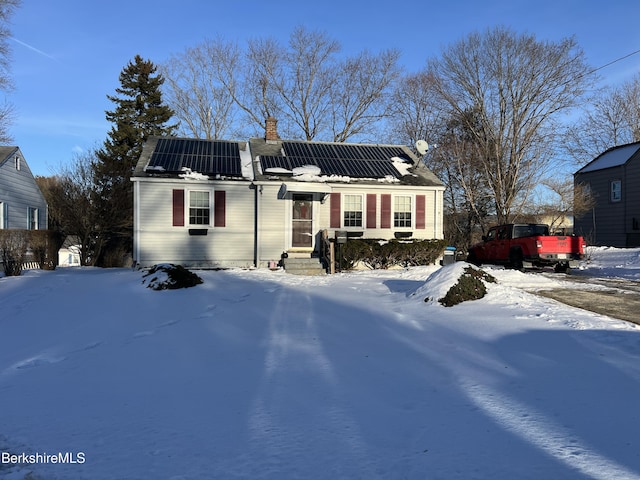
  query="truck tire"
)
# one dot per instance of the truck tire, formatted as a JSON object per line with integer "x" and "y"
{"x": 471, "y": 258}
{"x": 516, "y": 259}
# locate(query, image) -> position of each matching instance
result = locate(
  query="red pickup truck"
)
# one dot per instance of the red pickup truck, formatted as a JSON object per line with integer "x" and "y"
{"x": 527, "y": 245}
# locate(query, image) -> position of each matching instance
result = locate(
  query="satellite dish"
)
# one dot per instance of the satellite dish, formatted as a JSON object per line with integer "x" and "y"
{"x": 422, "y": 147}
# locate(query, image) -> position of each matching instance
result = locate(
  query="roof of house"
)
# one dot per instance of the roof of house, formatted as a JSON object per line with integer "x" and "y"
{"x": 171, "y": 156}
{"x": 283, "y": 160}
{"x": 613, "y": 157}
{"x": 6, "y": 152}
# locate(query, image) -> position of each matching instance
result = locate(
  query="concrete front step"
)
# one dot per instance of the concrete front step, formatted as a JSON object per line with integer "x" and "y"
{"x": 304, "y": 266}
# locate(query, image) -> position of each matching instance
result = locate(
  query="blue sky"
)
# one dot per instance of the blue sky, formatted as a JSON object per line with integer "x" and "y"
{"x": 67, "y": 54}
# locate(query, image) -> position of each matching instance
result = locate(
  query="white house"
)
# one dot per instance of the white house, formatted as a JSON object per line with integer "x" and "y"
{"x": 69, "y": 252}
{"x": 22, "y": 205}
{"x": 212, "y": 203}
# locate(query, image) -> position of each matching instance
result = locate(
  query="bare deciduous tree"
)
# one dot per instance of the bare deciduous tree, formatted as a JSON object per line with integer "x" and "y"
{"x": 612, "y": 118}
{"x": 416, "y": 113}
{"x": 7, "y": 7}
{"x": 313, "y": 92}
{"x": 361, "y": 92}
{"x": 69, "y": 194}
{"x": 517, "y": 85}
{"x": 198, "y": 97}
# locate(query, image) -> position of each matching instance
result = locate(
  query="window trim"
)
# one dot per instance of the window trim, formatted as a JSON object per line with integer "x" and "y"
{"x": 412, "y": 211}
{"x": 343, "y": 211}
{"x": 187, "y": 206}
{"x": 33, "y": 218}
{"x": 615, "y": 195}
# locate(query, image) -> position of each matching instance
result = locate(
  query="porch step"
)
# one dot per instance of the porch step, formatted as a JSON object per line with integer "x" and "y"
{"x": 304, "y": 266}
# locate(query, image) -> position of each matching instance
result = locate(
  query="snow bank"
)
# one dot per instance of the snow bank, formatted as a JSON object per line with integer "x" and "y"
{"x": 191, "y": 175}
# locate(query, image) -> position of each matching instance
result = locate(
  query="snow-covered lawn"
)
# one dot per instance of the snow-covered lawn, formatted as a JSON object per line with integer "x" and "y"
{"x": 259, "y": 374}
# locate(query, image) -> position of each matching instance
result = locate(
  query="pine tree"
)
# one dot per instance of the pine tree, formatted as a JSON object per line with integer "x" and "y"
{"x": 139, "y": 113}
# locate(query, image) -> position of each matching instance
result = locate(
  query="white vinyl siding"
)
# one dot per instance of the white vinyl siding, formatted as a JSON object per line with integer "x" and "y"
{"x": 157, "y": 241}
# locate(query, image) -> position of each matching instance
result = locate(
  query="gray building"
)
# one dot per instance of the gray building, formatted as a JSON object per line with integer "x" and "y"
{"x": 22, "y": 205}
{"x": 613, "y": 180}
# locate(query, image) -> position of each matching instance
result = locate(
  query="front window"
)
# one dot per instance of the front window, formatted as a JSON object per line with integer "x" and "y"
{"x": 616, "y": 190}
{"x": 353, "y": 210}
{"x": 402, "y": 212}
{"x": 33, "y": 219}
{"x": 199, "y": 208}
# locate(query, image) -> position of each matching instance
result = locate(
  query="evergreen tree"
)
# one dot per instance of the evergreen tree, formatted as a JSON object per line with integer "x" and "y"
{"x": 139, "y": 113}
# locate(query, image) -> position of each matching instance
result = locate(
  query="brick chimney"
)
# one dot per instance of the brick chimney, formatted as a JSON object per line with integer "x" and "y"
{"x": 271, "y": 130}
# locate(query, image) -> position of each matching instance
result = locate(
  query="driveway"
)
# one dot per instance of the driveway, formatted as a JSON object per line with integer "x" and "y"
{"x": 617, "y": 298}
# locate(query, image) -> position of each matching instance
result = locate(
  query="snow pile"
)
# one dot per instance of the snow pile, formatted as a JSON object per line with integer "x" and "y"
{"x": 614, "y": 262}
{"x": 166, "y": 276}
{"x": 278, "y": 171}
{"x": 402, "y": 166}
{"x": 266, "y": 375}
{"x": 154, "y": 168}
{"x": 444, "y": 282}
{"x": 311, "y": 170}
{"x": 191, "y": 175}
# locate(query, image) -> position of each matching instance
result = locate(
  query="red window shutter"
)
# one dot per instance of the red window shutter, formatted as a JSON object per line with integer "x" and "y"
{"x": 334, "y": 207}
{"x": 385, "y": 211}
{"x": 420, "y": 211}
{"x": 371, "y": 210}
{"x": 219, "y": 208}
{"x": 178, "y": 208}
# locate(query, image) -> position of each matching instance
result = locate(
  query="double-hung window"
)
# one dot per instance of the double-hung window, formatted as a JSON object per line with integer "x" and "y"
{"x": 352, "y": 211}
{"x": 32, "y": 218}
{"x": 616, "y": 190}
{"x": 402, "y": 212}
{"x": 199, "y": 208}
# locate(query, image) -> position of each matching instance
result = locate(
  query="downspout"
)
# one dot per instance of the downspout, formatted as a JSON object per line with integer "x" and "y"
{"x": 136, "y": 223}
{"x": 254, "y": 187}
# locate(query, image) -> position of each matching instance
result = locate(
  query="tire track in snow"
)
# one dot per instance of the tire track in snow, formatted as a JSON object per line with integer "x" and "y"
{"x": 311, "y": 421}
{"x": 557, "y": 441}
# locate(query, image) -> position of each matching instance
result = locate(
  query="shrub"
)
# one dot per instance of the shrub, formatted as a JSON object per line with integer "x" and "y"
{"x": 167, "y": 276}
{"x": 470, "y": 286}
{"x": 379, "y": 254}
{"x": 13, "y": 245}
{"x": 43, "y": 247}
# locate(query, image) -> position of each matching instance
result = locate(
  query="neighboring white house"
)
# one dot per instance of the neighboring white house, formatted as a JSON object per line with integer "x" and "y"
{"x": 22, "y": 205}
{"x": 211, "y": 203}
{"x": 69, "y": 253}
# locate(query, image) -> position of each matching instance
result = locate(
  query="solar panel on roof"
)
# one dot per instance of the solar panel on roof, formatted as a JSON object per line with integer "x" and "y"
{"x": 271, "y": 161}
{"x": 209, "y": 157}
{"x": 298, "y": 149}
{"x": 358, "y": 161}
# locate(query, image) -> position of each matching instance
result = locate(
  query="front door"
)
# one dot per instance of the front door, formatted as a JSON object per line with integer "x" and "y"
{"x": 302, "y": 221}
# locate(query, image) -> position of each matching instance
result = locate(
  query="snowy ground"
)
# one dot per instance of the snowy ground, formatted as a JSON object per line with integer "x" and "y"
{"x": 258, "y": 374}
